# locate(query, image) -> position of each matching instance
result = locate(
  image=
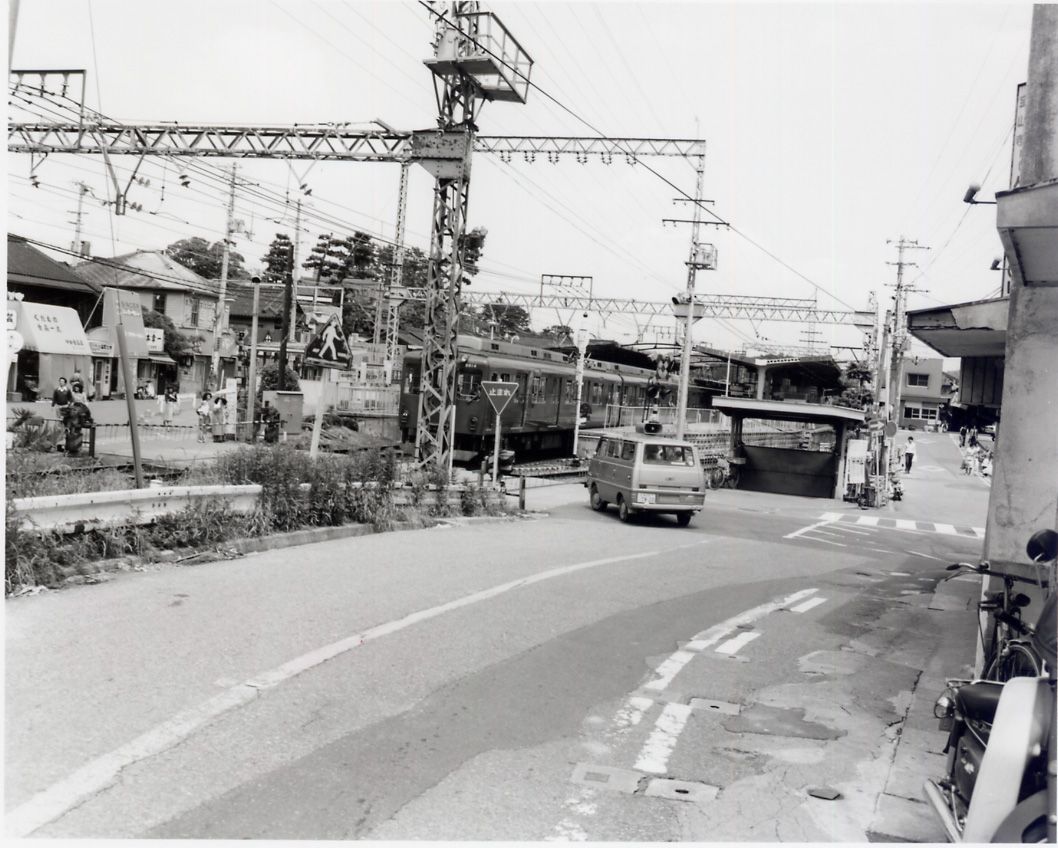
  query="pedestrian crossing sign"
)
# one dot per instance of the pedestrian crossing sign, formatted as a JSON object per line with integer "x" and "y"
{"x": 329, "y": 347}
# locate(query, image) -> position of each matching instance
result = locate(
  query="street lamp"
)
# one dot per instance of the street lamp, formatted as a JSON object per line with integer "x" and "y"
{"x": 971, "y": 194}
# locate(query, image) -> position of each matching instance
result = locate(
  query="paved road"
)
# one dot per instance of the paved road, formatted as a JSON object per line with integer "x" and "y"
{"x": 513, "y": 680}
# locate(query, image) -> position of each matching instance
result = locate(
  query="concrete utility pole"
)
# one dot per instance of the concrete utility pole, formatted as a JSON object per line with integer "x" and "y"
{"x": 899, "y": 331}
{"x": 79, "y": 214}
{"x": 251, "y": 385}
{"x": 220, "y": 325}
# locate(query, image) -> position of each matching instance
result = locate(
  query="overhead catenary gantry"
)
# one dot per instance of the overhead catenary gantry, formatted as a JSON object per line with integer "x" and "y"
{"x": 475, "y": 59}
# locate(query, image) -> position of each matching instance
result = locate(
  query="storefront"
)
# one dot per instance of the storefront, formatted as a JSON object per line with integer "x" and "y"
{"x": 107, "y": 370}
{"x": 53, "y": 345}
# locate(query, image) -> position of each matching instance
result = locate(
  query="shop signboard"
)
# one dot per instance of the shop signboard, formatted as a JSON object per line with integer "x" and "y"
{"x": 52, "y": 329}
{"x": 100, "y": 348}
{"x": 155, "y": 338}
{"x": 126, "y": 304}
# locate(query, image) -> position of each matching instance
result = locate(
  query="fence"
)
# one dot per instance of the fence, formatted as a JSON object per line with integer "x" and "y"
{"x": 380, "y": 400}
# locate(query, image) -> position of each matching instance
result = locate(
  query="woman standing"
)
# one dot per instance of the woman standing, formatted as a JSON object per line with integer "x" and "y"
{"x": 204, "y": 411}
{"x": 170, "y": 405}
{"x": 220, "y": 407}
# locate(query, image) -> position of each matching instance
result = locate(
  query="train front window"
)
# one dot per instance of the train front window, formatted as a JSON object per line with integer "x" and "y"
{"x": 411, "y": 382}
{"x": 656, "y": 454}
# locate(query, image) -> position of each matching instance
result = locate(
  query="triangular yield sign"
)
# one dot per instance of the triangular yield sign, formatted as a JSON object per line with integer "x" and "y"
{"x": 499, "y": 394}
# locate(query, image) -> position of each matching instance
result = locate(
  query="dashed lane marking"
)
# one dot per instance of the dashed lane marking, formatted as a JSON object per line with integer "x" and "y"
{"x": 927, "y": 556}
{"x": 811, "y": 603}
{"x": 825, "y": 541}
{"x": 731, "y": 646}
{"x": 654, "y": 757}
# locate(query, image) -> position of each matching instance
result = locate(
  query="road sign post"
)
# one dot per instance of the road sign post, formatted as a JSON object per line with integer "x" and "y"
{"x": 329, "y": 349}
{"x": 499, "y": 395}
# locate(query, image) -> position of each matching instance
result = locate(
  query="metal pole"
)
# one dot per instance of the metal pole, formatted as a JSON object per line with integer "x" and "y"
{"x": 295, "y": 251}
{"x": 727, "y": 379}
{"x": 12, "y": 25}
{"x": 451, "y": 439}
{"x": 317, "y": 422}
{"x": 582, "y": 339}
{"x": 219, "y": 323}
{"x": 251, "y": 388}
{"x": 126, "y": 374}
{"x": 496, "y": 453}
{"x": 685, "y": 359}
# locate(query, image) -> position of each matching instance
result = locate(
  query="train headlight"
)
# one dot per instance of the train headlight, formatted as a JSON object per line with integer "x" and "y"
{"x": 403, "y": 415}
{"x": 472, "y": 424}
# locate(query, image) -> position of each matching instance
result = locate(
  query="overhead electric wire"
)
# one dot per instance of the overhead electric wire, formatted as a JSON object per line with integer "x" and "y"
{"x": 442, "y": 17}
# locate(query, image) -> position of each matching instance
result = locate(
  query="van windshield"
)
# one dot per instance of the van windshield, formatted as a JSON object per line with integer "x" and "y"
{"x": 668, "y": 454}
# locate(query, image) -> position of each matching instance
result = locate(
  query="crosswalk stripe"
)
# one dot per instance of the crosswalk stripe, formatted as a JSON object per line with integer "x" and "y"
{"x": 842, "y": 519}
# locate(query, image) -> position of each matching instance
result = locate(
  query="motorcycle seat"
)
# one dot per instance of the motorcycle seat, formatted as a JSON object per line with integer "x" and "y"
{"x": 979, "y": 700}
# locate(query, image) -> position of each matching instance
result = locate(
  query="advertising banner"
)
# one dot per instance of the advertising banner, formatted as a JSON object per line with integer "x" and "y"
{"x": 155, "y": 338}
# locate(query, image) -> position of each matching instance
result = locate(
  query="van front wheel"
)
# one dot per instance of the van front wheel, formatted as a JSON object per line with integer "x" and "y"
{"x": 623, "y": 512}
{"x": 683, "y": 518}
{"x": 597, "y": 503}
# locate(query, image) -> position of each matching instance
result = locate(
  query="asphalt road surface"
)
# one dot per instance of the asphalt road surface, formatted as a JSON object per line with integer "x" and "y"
{"x": 564, "y": 676}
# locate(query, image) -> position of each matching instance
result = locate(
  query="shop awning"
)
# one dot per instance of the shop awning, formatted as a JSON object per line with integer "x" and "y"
{"x": 51, "y": 329}
{"x": 161, "y": 358}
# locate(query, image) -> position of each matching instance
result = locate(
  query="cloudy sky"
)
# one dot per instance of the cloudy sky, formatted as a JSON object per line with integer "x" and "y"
{"x": 831, "y": 128}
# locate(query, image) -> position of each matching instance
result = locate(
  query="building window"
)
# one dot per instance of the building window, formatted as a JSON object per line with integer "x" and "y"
{"x": 921, "y": 380}
{"x": 193, "y": 312}
{"x": 158, "y": 304}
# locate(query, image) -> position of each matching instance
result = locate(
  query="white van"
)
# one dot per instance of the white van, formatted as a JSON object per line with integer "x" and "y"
{"x": 640, "y": 472}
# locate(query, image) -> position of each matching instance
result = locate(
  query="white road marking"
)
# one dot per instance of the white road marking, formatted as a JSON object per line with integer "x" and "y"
{"x": 797, "y": 533}
{"x": 899, "y": 573}
{"x": 826, "y": 542}
{"x": 844, "y": 529}
{"x": 669, "y": 669}
{"x": 868, "y": 520}
{"x": 658, "y": 748}
{"x": 99, "y": 773}
{"x": 904, "y": 524}
{"x": 927, "y": 556}
{"x": 811, "y": 603}
{"x": 741, "y": 640}
{"x": 880, "y": 550}
{"x": 826, "y": 533}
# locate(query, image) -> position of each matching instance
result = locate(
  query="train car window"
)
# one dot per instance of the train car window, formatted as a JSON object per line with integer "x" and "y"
{"x": 536, "y": 388}
{"x": 505, "y": 377}
{"x": 569, "y": 390}
{"x": 628, "y": 450}
{"x": 469, "y": 382}
{"x": 603, "y": 447}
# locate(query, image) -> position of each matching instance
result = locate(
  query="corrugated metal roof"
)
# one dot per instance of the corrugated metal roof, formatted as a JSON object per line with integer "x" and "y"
{"x": 31, "y": 267}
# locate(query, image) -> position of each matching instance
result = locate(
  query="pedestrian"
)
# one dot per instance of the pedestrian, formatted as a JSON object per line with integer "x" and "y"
{"x": 220, "y": 408}
{"x": 77, "y": 392}
{"x": 62, "y": 396}
{"x": 76, "y": 377}
{"x": 962, "y": 436}
{"x": 170, "y": 405}
{"x": 203, "y": 412}
{"x": 909, "y": 454}
{"x": 973, "y": 436}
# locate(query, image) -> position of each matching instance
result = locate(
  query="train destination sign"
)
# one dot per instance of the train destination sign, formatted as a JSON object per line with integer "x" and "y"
{"x": 499, "y": 394}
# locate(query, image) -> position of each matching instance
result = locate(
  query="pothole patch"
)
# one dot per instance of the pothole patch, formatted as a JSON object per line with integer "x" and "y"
{"x": 708, "y": 705}
{"x": 606, "y": 777}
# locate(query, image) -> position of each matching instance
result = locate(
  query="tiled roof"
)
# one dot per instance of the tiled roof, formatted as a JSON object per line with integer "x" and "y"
{"x": 145, "y": 269}
{"x": 31, "y": 267}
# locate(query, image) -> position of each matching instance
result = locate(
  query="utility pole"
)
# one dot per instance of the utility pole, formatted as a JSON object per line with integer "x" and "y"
{"x": 220, "y": 325}
{"x": 899, "y": 331}
{"x": 251, "y": 384}
{"x": 76, "y": 246}
{"x": 701, "y": 256}
{"x": 287, "y": 315}
{"x": 295, "y": 257}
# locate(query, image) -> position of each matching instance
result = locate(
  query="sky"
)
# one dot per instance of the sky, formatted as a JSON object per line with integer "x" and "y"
{"x": 832, "y": 129}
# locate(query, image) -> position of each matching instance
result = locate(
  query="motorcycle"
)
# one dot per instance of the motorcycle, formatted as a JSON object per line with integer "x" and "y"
{"x": 1000, "y": 784}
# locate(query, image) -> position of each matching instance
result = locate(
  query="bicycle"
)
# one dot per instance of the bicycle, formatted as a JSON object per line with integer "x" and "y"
{"x": 724, "y": 475}
{"x": 1008, "y": 652}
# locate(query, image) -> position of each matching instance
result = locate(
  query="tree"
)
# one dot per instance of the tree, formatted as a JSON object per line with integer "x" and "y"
{"x": 562, "y": 334}
{"x": 176, "y": 343}
{"x": 206, "y": 259}
{"x": 471, "y": 246}
{"x": 509, "y": 320}
{"x": 855, "y": 394}
{"x": 277, "y": 260}
{"x": 270, "y": 378}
